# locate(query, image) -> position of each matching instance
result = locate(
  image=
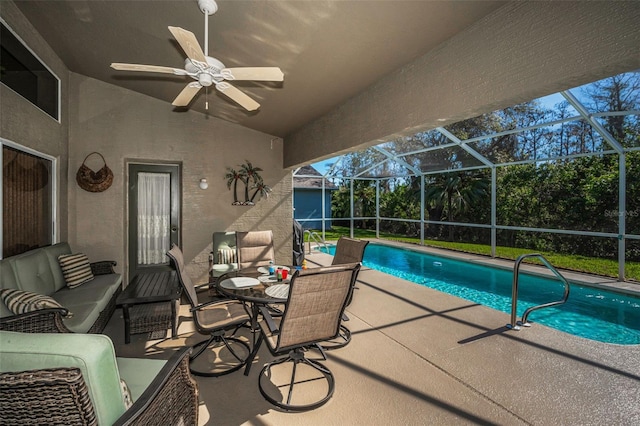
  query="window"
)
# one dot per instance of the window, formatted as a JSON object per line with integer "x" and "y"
{"x": 27, "y": 200}
{"x": 25, "y": 74}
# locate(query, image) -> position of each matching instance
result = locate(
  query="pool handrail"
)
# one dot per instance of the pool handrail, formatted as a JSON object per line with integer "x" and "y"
{"x": 317, "y": 239}
{"x": 514, "y": 291}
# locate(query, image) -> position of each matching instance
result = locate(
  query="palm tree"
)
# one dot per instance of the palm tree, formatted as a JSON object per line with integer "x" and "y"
{"x": 262, "y": 188}
{"x": 454, "y": 193}
{"x": 232, "y": 177}
{"x": 250, "y": 174}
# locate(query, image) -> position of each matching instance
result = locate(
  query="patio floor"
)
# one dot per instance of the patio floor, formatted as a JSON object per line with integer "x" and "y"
{"x": 419, "y": 356}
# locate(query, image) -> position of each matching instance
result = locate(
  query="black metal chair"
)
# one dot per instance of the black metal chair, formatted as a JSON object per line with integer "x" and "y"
{"x": 313, "y": 311}
{"x": 348, "y": 250}
{"x": 215, "y": 318}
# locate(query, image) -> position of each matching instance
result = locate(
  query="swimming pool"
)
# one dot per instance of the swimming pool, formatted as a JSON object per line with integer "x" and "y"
{"x": 590, "y": 312}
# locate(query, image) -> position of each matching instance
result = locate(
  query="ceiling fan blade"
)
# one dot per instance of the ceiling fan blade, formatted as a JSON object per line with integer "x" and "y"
{"x": 237, "y": 96}
{"x": 186, "y": 96}
{"x": 147, "y": 68}
{"x": 189, "y": 44}
{"x": 253, "y": 73}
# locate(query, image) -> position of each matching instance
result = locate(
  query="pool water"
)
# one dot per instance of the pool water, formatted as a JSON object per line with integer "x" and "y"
{"x": 589, "y": 312}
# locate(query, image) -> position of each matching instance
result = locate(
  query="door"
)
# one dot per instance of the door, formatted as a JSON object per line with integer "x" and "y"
{"x": 154, "y": 216}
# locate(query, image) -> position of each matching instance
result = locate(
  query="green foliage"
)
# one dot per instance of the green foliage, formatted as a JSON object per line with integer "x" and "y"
{"x": 572, "y": 185}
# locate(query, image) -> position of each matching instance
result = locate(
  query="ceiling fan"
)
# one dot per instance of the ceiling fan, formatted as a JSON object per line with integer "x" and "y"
{"x": 206, "y": 70}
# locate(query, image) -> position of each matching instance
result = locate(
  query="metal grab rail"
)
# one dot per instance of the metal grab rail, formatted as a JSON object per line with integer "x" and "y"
{"x": 316, "y": 238}
{"x": 514, "y": 291}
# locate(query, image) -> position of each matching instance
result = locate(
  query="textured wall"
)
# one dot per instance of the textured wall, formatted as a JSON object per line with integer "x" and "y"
{"x": 23, "y": 123}
{"x": 126, "y": 126}
{"x": 522, "y": 51}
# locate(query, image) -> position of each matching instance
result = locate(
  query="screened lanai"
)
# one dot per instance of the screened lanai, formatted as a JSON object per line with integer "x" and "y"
{"x": 558, "y": 174}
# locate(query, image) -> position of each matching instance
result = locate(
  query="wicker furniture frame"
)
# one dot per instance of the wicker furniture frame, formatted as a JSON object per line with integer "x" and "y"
{"x": 149, "y": 303}
{"x": 50, "y": 320}
{"x": 60, "y": 396}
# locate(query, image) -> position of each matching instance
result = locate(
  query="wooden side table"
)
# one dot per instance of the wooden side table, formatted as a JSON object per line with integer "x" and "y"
{"x": 149, "y": 303}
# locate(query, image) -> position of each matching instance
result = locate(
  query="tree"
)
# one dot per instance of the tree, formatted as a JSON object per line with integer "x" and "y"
{"x": 455, "y": 192}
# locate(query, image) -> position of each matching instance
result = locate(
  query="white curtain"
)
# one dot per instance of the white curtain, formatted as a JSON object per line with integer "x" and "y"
{"x": 154, "y": 220}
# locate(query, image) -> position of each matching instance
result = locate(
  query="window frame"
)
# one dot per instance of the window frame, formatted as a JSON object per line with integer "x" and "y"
{"x": 54, "y": 186}
{"x": 58, "y": 119}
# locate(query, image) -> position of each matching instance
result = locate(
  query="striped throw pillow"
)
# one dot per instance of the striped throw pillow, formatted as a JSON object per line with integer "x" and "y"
{"x": 226, "y": 256}
{"x": 75, "y": 268}
{"x": 21, "y": 302}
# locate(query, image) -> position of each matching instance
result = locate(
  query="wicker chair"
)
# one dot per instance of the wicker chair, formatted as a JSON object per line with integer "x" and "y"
{"x": 74, "y": 379}
{"x": 348, "y": 250}
{"x": 214, "y": 318}
{"x": 315, "y": 304}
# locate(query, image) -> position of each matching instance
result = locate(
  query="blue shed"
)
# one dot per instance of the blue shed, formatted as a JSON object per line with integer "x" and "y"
{"x": 307, "y": 198}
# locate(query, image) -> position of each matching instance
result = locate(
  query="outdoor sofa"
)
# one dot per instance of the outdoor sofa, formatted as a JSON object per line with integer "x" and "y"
{"x": 85, "y": 308}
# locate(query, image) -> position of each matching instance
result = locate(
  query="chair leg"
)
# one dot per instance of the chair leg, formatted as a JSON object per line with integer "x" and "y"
{"x": 339, "y": 342}
{"x": 220, "y": 341}
{"x": 296, "y": 357}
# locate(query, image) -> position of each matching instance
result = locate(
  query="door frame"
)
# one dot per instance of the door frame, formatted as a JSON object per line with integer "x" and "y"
{"x": 133, "y": 167}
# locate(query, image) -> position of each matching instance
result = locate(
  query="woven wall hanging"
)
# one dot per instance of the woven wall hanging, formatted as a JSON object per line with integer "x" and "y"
{"x": 94, "y": 181}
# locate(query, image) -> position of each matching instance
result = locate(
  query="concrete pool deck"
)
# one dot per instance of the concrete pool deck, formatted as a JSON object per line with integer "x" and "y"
{"x": 419, "y": 356}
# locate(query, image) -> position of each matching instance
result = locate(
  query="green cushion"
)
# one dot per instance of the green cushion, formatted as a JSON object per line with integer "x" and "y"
{"x": 33, "y": 272}
{"x": 139, "y": 373}
{"x": 53, "y": 252}
{"x": 93, "y": 354}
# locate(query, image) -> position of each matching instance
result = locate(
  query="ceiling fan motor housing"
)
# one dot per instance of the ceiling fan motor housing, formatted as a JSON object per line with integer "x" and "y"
{"x": 205, "y": 75}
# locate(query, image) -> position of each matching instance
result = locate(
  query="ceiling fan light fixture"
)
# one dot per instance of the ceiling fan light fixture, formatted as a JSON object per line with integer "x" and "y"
{"x": 205, "y": 79}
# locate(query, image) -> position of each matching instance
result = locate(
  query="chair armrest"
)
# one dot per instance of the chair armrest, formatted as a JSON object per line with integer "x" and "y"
{"x": 273, "y": 328}
{"x": 41, "y": 321}
{"x": 211, "y": 302}
{"x": 171, "y": 399}
{"x": 103, "y": 267}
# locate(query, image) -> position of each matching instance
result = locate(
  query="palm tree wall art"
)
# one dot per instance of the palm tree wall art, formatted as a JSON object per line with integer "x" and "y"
{"x": 250, "y": 177}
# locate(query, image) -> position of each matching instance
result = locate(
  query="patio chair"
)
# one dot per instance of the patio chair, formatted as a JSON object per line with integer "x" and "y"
{"x": 224, "y": 253}
{"x": 348, "y": 250}
{"x": 214, "y": 318}
{"x": 255, "y": 248}
{"x": 317, "y": 298}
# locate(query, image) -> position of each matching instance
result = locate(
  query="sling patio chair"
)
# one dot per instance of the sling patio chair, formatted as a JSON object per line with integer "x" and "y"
{"x": 348, "y": 250}
{"x": 312, "y": 313}
{"x": 214, "y": 318}
{"x": 255, "y": 248}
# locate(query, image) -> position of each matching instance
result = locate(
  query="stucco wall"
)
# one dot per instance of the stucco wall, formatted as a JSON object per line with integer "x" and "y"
{"x": 522, "y": 51}
{"x": 127, "y": 126}
{"x": 23, "y": 123}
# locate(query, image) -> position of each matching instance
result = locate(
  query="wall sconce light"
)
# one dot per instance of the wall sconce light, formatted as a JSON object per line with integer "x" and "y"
{"x": 203, "y": 183}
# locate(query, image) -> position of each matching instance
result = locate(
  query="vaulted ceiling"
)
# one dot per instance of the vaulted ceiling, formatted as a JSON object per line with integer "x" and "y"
{"x": 329, "y": 51}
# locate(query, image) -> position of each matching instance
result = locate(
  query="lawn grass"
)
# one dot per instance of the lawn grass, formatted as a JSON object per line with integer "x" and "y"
{"x": 589, "y": 265}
